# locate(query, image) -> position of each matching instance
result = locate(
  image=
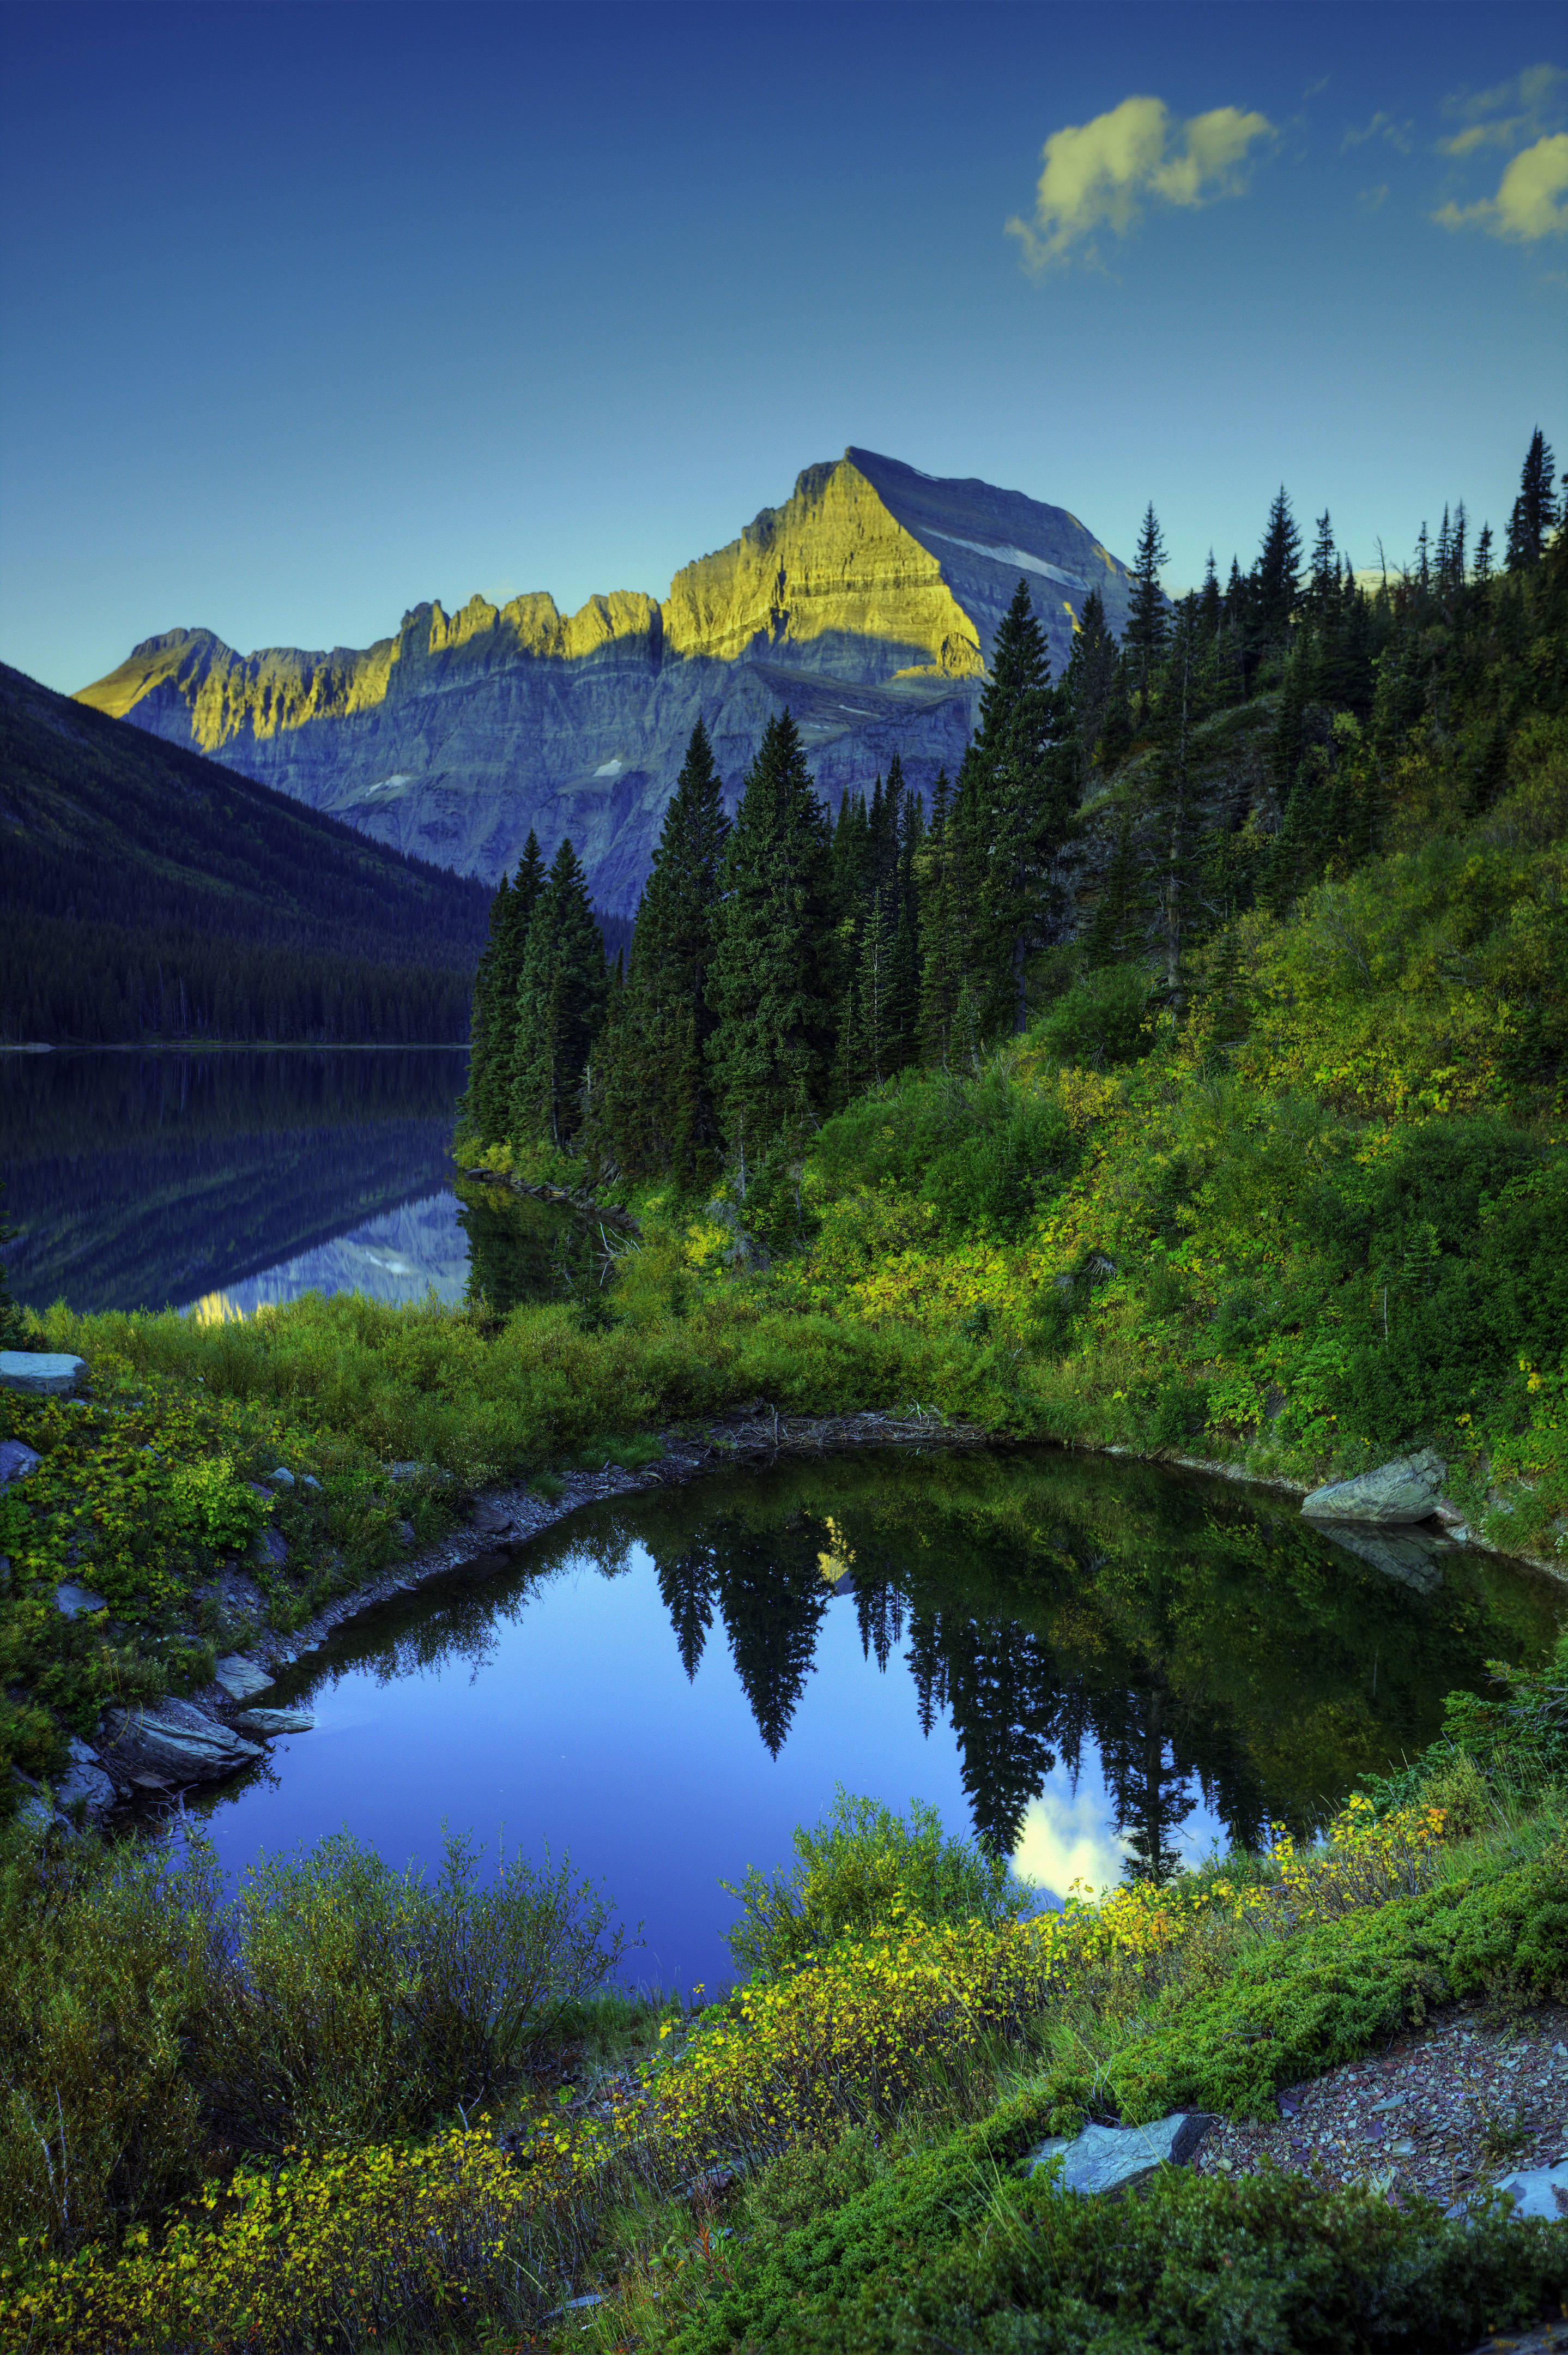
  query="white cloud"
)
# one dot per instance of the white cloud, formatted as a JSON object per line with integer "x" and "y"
{"x": 1372, "y": 199}
{"x": 1532, "y": 200}
{"x": 1066, "y": 1839}
{"x": 1098, "y": 176}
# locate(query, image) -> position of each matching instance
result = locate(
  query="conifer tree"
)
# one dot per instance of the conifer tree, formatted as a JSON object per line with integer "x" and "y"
{"x": 773, "y": 987}
{"x": 1535, "y": 509}
{"x": 1107, "y": 941}
{"x": 1088, "y": 685}
{"x": 560, "y": 1006}
{"x": 492, "y": 1076}
{"x": 941, "y": 961}
{"x": 1323, "y": 572}
{"x": 1148, "y": 626}
{"x": 484, "y": 1017}
{"x": 1017, "y": 793}
{"x": 657, "y": 1108}
{"x": 1484, "y": 556}
{"x": 1278, "y": 568}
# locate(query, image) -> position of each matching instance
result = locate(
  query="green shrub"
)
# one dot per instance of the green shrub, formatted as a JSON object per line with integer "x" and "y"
{"x": 984, "y": 1153}
{"x": 1269, "y": 2264}
{"x": 214, "y": 1505}
{"x": 1105, "y": 1018}
{"x": 353, "y": 2002}
{"x": 853, "y": 1870}
{"x": 807, "y": 2184}
{"x": 1327, "y": 1994}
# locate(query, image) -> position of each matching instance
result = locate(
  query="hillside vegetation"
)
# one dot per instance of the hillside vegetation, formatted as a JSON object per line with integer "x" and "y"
{"x": 146, "y": 892}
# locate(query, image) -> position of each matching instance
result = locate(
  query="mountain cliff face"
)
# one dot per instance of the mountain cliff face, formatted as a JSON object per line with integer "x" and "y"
{"x": 867, "y": 603}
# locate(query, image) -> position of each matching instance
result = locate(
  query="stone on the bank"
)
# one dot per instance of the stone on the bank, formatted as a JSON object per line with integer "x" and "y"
{"x": 40, "y": 1374}
{"x": 282, "y": 1475}
{"x": 240, "y": 1677}
{"x": 272, "y": 1549}
{"x": 175, "y": 1742}
{"x": 274, "y": 1720}
{"x": 18, "y": 1461}
{"x": 84, "y": 1778}
{"x": 1111, "y": 2159}
{"x": 1408, "y": 1555}
{"x": 1405, "y": 1490}
{"x": 1540, "y": 2191}
{"x": 76, "y": 1600}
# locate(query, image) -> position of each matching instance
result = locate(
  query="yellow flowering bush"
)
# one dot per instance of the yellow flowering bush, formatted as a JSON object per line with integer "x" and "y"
{"x": 334, "y": 2249}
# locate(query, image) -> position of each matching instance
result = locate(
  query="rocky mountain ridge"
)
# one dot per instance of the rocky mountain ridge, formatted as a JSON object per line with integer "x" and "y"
{"x": 867, "y": 603}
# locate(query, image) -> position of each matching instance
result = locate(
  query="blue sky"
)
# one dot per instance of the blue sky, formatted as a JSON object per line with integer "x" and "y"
{"x": 314, "y": 312}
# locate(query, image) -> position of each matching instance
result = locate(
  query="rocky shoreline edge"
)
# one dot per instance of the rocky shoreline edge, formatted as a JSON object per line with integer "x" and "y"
{"x": 219, "y": 1728}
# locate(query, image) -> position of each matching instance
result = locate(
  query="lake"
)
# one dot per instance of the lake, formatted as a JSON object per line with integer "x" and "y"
{"x": 221, "y": 1181}
{"x": 1101, "y": 1667}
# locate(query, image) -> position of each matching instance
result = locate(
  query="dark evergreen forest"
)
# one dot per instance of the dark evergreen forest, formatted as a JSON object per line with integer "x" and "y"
{"x": 147, "y": 892}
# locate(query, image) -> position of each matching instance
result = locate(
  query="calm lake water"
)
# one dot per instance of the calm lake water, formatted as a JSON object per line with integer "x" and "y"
{"x": 158, "y": 1180}
{"x": 1104, "y": 1668}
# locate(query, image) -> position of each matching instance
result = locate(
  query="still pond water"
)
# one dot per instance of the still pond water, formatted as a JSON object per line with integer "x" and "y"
{"x": 1103, "y": 1667}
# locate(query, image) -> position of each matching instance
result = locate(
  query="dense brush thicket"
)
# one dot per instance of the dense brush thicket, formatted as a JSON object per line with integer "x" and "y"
{"x": 148, "y": 892}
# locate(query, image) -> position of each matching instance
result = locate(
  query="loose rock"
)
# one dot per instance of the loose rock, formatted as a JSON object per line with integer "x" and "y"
{"x": 1405, "y": 1490}
{"x": 174, "y": 1744}
{"x": 18, "y": 1461}
{"x": 39, "y": 1373}
{"x": 240, "y": 1677}
{"x": 76, "y": 1600}
{"x": 275, "y": 1720}
{"x": 1110, "y": 2161}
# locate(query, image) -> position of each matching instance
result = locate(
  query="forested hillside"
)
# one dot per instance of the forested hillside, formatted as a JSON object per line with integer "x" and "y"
{"x": 1198, "y": 1060}
{"x": 147, "y": 892}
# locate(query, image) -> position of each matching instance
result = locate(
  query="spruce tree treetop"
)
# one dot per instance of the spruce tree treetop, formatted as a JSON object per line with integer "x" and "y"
{"x": 1147, "y": 622}
{"x": 1535, "y": 509}
{"x": 1278, "y": 567}
{"x": 1017, "y": 794}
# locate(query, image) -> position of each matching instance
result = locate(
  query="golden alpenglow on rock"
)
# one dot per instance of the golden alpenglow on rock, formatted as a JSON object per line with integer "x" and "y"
{"x": 867, "y": 603}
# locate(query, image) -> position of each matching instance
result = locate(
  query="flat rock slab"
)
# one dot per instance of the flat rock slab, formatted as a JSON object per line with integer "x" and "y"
{"x": 1111, "y": 2159}
{"x": 17, "y": 1460}
{"x": 240, "y": 1677}
{"x": 1540, "y": 2191}
{"x": 76, "y": 1600}
{"x": 174, "y": 1744}
{"x": 40, "y": 1374}
{"x": 275, "y": 1720}
{"x": 1406, "y": 1489}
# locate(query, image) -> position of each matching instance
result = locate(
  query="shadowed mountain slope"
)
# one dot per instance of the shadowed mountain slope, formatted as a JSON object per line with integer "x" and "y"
{"x": 867, "y": 603}
{"x": 147, "y": 889}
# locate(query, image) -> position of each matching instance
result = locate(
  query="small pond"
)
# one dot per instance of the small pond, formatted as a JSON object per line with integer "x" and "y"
{"x": 1105, "y": 1668}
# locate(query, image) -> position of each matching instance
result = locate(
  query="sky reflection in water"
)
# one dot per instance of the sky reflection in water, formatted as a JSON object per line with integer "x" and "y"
{"x": 1100, "y": 1666}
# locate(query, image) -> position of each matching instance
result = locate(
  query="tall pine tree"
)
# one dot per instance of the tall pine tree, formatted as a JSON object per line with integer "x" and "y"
{"x": 491, "y": 1064}
{"x": 773, "y": 988}
{"x": 561, "y": 999}
{"x": 1148, "y": 626}
{"x": 654, "y": 1112}
{"x": 1017, "y": 794}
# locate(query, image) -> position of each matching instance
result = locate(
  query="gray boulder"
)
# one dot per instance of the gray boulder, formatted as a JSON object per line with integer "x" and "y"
{"x": 39, "y": 1373}
{"x": 84, "y": 1778}
{"x": 76, "y": 1600}
{"x": 1540, "y": 2191}
{"x": 240, "y": 1677}
{"x": 18, "y": 1461}
{"x": 1408, "y": 1555}
{"x": 173, "y": 1744}
{"x": 1112, "y": 2159}
{"x": 1405, "y": 1490}
{"x": 275, "y": 1720}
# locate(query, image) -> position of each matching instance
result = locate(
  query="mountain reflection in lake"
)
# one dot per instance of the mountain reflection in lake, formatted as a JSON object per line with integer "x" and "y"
{"x": 1102, "y": 1669}
{"x": 229, "y": 1179}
